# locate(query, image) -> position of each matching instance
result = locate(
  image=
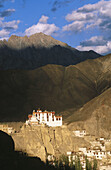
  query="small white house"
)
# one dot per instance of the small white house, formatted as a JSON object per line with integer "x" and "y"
{"x": 105, "y": 167}
{"x": 48, "y": 118}
{"x": 11, "y": 130}
{"x": 84, "y": 150}
{"x": 50, "y": 158}
{"x": 95, "y": 152}
{"x": 80, "y": 133}
{"x": 7, "y": 129}
{"x": 101, "y": 139}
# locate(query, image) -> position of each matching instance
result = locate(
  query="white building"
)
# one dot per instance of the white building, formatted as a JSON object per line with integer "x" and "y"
{"x": 48, "y": 118}
{"x": 105, "y": 167}
{"x": 72, "y": 156}
{"x": 80, "y": 133}
{"x": 50, "y": 158}
{"x": 95, "y": 152}
{"x": 7, "y": 129}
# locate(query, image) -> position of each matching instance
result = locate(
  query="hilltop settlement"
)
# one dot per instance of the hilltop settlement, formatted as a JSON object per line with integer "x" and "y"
{"x": 50, "y": 130}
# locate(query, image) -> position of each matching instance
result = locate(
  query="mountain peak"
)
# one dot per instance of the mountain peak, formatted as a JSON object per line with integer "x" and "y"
{"x": 38, "y": 40}
{"x": 38, "y": 50}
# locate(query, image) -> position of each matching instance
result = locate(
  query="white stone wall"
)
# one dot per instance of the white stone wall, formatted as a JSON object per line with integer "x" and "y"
{"x": 54, "y": 123}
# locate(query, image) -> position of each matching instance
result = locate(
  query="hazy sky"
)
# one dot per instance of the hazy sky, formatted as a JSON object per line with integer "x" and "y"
{"x": 83, "y": 24}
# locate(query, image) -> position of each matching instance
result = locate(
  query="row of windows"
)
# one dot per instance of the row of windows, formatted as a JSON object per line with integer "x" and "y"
{"x": 48, "y": 117}
{"x": 96, "y": 153}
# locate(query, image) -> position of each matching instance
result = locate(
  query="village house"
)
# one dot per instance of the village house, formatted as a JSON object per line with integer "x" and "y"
{"x": 105, "y": 167}
{"x": 50, "y": 158}
{"x": 72, "y": 156}
{"x": 80, "y": 133}
{"x": 48, "y": 118}
{"x": 95, "y": 152}
{"x": 7, "y": 129}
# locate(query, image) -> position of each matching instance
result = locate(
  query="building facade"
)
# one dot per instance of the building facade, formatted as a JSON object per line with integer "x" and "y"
{"x": 7, "y": 129}
{"x": 80, "y": 133}
{"x": 46, "y": 117}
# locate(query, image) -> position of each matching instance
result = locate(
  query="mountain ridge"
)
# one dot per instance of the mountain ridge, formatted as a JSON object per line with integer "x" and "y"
{"x": 52, "y": 87}
{"x": 39, "y": 50}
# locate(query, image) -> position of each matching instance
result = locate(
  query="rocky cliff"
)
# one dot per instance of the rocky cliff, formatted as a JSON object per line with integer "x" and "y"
{"x": 40, "y": 141}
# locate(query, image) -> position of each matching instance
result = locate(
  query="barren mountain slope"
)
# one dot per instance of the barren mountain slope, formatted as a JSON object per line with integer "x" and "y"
{"x": 52, "y": 87}
{"x": 39, "y": 50}
{"x": 94, "y": 116}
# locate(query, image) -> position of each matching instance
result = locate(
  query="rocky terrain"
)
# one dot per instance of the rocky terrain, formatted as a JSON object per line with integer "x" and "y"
{"x": 74, "y": 91}
{"x": 39, "y": 50}
{"x": 13, "y": 160}
{"x": 95, "y": 116}
{"x": 40, "y": 141}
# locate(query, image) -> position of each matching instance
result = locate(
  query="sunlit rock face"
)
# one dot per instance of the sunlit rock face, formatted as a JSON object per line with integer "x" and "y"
{"x": 41, "y": 140}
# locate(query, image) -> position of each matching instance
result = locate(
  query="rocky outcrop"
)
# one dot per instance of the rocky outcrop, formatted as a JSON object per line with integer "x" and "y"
{"x": 40, "y": 141}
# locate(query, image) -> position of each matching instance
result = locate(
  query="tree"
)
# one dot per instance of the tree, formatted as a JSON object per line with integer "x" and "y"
{"x": 88, "y": 164}
{"x": 78, "y": 165}
{"x": 95, "y": 164}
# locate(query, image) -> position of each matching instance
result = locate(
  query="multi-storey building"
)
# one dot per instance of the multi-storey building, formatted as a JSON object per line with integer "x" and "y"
{"x": 46, "y": 117}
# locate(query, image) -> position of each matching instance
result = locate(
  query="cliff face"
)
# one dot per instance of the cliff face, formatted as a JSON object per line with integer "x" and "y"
{"x": 40, "y": 141}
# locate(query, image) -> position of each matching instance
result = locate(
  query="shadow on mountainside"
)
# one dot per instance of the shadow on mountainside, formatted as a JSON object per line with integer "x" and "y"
{"x": 11, "y": 160}
{"x": 32, "y": 57}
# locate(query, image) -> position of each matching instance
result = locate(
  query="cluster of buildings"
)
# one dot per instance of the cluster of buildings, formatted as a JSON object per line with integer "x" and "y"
{"x": 44, "y": 117}
{"x": 91, "y": 154}
{"x": 6, "y": 129}
{"x": 96, "y": 151}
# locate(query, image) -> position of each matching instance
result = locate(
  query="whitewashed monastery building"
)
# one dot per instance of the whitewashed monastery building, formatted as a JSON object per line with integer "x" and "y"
{"x": 46, "y": 117}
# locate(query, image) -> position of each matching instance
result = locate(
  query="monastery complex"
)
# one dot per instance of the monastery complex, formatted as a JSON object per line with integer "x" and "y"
{"x": 46, "y": 117}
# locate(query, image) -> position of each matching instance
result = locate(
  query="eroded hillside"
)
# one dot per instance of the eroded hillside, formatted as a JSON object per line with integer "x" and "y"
{"x": 95, "y": 116}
